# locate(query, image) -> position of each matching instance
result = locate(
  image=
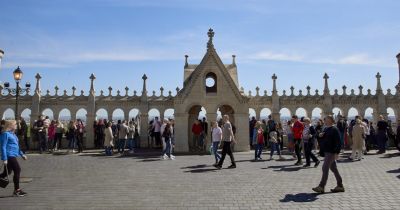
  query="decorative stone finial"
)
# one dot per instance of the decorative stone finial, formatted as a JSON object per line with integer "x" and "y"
{"x": 73, "y": 90}
{"x": 109, "y": 90}
{"x": 144, "y": 89}
{"x": 118, "y": 93}
{"x": 378, "y": 83}
{"x": 284, "y": 92}
{"x": 210, "y": 34}
{"x": 257, "y": 91}
{"x": 291, "y": 90}
{"x": 265, "y": 92}
{"x": 274, "y": 91}
{"x": 65, "y": 92}
{"x": 169, "y": 93}
{"x": 308, "y": 90}
{"x": 161, "y": 91}
{"x": 360, "y": 88}
{"x": 344, "y": 89}
{"x": 92, "y": 78}
{"x": 134, "y": 93}
{"x": 126, "y": 91}
{"x": 56, "y": 90}
{"x": 234, "y": 60}
{"x": 37, "y": 89}
{"x": 326, "y": 87}
{"x": 177, "y": 90}
{"x": 82, "y": 92}
{"x": 186, "y": 61}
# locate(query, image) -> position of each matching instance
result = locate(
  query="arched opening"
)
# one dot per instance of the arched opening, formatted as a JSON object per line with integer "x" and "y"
{"x": 64, "y": 115}
{"x": 133, "y": 113}
{"x": 9, "y": 114}
{"x": 301, "y": 112}
{"x": 316, "y": 113}
{"x": 336, "y": 112}
{"x": 169, "y": 114}
{"x": 391, "y": 114}
{"x": 196, "y": 112}
{"x": 81, "y": 114}
{"x": 285, "y": 114}
{"x": 102, "y": 114}
{"x": 48, "y": 113}
{"x": 118, "y": 114}
{"x": 369, "y": 114}
{"x": 211, "y": 82}
{"x": 352, "y": 113}
{"x": 26, "y": 115}
{"x": 153, "y": 113}
{"x": 265, "y": 113}
{"x": 252, "y": 113}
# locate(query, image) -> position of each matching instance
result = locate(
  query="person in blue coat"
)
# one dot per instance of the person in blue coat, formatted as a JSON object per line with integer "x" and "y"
{"x": 10, "y": 151}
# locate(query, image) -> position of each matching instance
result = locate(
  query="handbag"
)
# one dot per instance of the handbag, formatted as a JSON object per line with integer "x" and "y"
{"x": 6, "y": 180}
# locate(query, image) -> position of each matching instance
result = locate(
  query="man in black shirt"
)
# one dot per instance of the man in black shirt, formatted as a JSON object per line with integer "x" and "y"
{"x": 382, "y": 137}
{"x": 330, "y": 149}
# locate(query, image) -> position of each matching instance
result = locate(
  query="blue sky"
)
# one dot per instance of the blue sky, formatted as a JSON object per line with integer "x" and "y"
{"x": 120, "y": 40}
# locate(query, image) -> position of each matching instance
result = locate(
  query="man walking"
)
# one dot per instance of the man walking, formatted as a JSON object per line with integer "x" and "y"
{"x": 227, "y": 138}
{"x": 297, "y": 130}
{"x": 330, "y": 149}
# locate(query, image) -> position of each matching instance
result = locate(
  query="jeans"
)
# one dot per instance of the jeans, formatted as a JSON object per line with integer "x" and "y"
{"x": 79, "y": 141}
{"x": 196, "y": 141}
{"x": 330, "y": 163}
{"x": 157, "y": 137}
{"x": 42, "y": 142}
{"x": 341, "y": 134}
{"x": 57, "y": 139}
{"x": 226, "y": 149}
{"x": 297, "y": 149}
{"x": 108, "y": 151}
{"x": 167, "y": 149}
{"x": 275, "y": 146}
{"x": 381, "y": 140}
{"x": 71, "y": 143}
{"x": 12, "y": 166}
{"x": 258, "y": 151}
{"x": 215, "y": 150}
{"x": 121, "y": 145}
{"x": 308, "y": 146}
{"x": 131, "y": 144}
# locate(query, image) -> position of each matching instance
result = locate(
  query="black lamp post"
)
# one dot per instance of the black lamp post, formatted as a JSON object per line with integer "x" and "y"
{"x": 17, "y": 91}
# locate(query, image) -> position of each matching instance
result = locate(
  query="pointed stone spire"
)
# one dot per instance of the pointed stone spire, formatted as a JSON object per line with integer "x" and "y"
{"x": 398, "y": 62}
{"x": 186, "y": 61}
{"x": 326, "y": 87}
{"x": 92, "y": 78}
{"x": 274, "y": 91}
{"x": 210, "y": 34}
{"x": 144, "y": 89}
{"x": 37, "y": 89}
{"x": 234, "y": 60}
{"x": 378, "y": 83}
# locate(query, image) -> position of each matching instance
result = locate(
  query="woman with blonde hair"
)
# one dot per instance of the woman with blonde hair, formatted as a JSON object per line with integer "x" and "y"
{"x": 358, "y": 134}
{"x": 108, "y": 140}
{"x": 10, "y": 151}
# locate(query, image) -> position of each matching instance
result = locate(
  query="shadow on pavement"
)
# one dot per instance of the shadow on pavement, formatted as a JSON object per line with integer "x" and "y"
{"x": 287, "y": 168}
{"x": 300, "y": 198}
{"x": 195, "y": 167}
{"x": 391, "y": 155}
{"x": 201, "y": 170}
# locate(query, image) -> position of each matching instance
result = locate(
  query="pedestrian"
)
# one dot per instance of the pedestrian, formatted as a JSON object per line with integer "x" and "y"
{"x": 274, "y": 142}
{"x": 252, "y": 124}
{"x": 24, "y": 133}
{"x": 342, "y": 126}
{"x": 204, "y": 134}
{"x": 157, "y": 132}
{"x": 197, "y": 129}
{"x": 80, "y": 130}
{"x": 358, "y": 133}
{"x": 167, "y": 134}
{"x": 330, "y": 149}
{"x": 10, "y": 151}
{"x": 41, "y": 134}
{"x": 289, "y": 134}
{"x": 122, "y": 136}
{"x": 71, "y": 136}
{"x": 319, "y": 128}
{"x": 297, "y": 130}
{"x": 382, "y": 137}
{"x": 258, "y": 142}
{"x": 228, "y": 138}
{"x": 131, "y": 136}
{"x": 308, "y": 139}
{"x": 216, "y": 134}
{"x": 52, "y": 134}
{"x": 59, "y": 131}
{"x": 108, "y": 139}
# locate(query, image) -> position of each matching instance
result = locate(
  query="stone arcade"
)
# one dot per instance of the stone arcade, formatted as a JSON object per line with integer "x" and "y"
{"x": 223, "y": 95}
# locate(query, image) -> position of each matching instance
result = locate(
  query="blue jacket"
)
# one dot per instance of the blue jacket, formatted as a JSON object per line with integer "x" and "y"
{"x": 9, "y": 145}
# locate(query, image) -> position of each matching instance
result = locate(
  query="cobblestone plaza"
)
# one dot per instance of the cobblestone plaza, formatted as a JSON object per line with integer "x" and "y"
{"x": 144, "y": 181}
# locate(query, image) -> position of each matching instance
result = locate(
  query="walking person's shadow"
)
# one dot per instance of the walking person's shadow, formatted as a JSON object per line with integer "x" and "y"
{"x": 300, "y": 198}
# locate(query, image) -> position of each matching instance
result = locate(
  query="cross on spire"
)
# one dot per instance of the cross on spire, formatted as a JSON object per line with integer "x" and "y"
{"x": 210, "y": 36}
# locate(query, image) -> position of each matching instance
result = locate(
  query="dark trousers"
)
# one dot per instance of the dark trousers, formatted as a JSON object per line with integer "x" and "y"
{"x": 79, "y": 141}
{"x": 330, "y": 163}
{"x": 57, "y": 141}
{"x": 258, "y": 150}
{"x": 226, "y": 149}
{"x": 12, "y": 166}
{"x": 25, "y": 137}
{"x": 381, "y": 140}
{"x": 308, "y": 146}
{"x": 42, "y": 141}
{"x": 157, "y": 136}
{"x": 297, "y": 149}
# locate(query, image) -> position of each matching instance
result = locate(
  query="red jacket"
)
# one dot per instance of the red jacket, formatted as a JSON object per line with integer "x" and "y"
{"x": 197, "y": 129}
{"x": 297, "y": 129}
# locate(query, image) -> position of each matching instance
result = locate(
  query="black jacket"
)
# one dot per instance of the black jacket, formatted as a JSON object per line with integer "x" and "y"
{"x": 330, "y": 142}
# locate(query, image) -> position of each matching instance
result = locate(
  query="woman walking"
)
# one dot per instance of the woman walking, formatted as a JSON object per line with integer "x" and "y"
{"x": 167, "y": 134}
{"x": 358, "y": 134}
{"x": 71, "y": 136}
{"x": 52, "y": 134}
{"x": 216, "y": 139}
{"x": 10, "y": 151}
{"x": 108, "y": 141}
{"x": 59, "y": 130}
{"x": 258, "y": 140}
{"x": 80, "y": 130}
{"x": 273, "y": 139}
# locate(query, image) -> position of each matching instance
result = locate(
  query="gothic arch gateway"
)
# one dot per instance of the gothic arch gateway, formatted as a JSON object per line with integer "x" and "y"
{"x": 221, "y": 93}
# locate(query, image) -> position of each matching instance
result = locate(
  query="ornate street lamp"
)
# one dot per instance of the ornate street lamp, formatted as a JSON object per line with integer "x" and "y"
{"x": 17, "y": 91}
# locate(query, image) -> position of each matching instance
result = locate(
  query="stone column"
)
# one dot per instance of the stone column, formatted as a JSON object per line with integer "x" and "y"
{"x": 181, "y": 132}
{"x": 275, "y": 101}
{"x": 144, "y": 126}
{"x": 242, "y": 132}
{"x": 91, "y": 115}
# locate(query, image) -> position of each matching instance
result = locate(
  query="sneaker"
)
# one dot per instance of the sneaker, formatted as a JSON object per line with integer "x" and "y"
{"x": 337, "y": 189}
{"x": 317, "y": 163}
{"x": 298, "y": 163}
{"x": 232, "y": 166}
{"x": 218, "y": 167}
{"x": 318, "y": 189}
{"x": 19, "y": 193}
{"x": 172, "y": 157}
{"x": 164, "y": 157}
